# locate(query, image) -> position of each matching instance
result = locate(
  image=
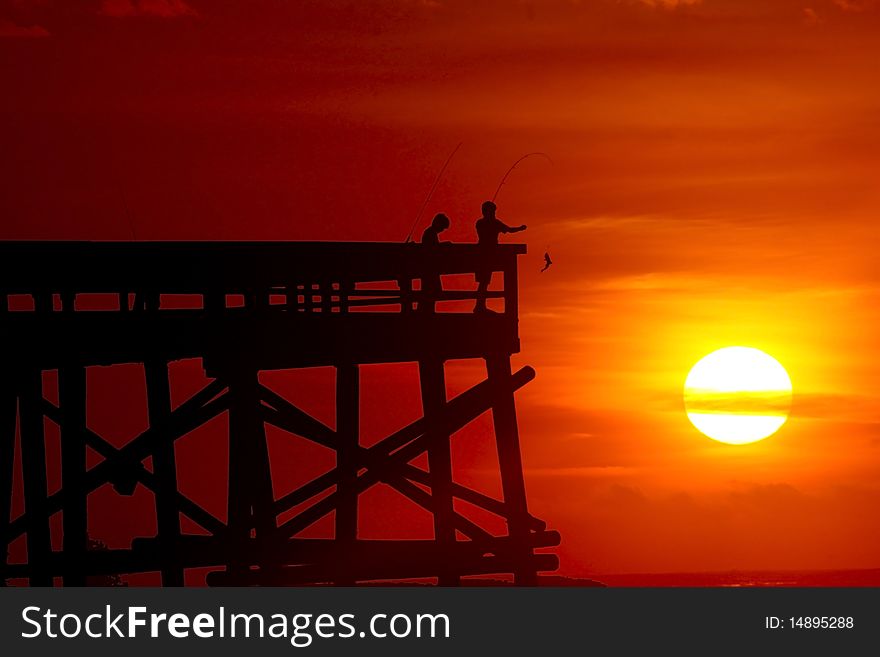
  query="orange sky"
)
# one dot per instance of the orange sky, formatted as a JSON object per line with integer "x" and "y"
{"x": 714, "y": 184}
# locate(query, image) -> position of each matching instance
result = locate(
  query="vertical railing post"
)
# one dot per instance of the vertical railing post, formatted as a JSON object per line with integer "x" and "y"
{"x": 406, "y": 293}
{"x": 326, "y": 296}
{"x": 308, "y": 298}
{"x": 293, "y": 304}
{"x": 345, "y": 289}
{"x": 238, "y": 498}
{"x": 43, "y": 302}
{"x": 213, "y": 301}
{"x": 511, "y": 288}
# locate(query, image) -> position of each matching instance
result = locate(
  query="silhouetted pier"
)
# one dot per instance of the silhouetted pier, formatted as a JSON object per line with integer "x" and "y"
{"x": 243, "y": 308}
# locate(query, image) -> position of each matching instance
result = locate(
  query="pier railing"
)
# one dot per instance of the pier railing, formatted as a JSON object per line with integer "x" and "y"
{"x": 303, "y": 277}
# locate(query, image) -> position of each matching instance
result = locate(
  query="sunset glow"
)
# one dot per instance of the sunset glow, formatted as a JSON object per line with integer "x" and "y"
{"x": 714, "y": 183}
{"x": 737, "y": 395}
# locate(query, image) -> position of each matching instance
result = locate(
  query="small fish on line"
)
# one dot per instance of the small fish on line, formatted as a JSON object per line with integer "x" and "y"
{"x": 547, "y": 262}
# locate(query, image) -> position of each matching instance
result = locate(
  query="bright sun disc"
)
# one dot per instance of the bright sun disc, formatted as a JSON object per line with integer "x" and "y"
{"x": 737, "y": 395}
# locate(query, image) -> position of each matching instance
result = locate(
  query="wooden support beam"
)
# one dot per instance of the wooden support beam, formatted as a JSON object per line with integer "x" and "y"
{"x": 245, "y": 341}
{"x": 381, "y": 472}
{"x": 211, "y": 551}
{"x": 263, "y": 495}
{"x": 137, "y": 470}
{"x": 165, "y": 472}
{"x": 386, "y": 467}
{"x": 251, "y": 499}
{"x": 33, "y": 460}
{"x": 202, "y": 551}
{"x": 510, "y": 462}
{"x": 8, "y": 412}
{"x": 384, "y": 569}
{"x": 433, "y": 385}
{"x": 72, "y": 403}
{"x": 347, "y": 444}
{"x": 295, "y": 420}
{"x": 186, "y": 417}
{"x": 471, "y": 496}
{"x": 238, "y": 511}
{"x": 457, "y": 413}
{"x": 511, "y": 289}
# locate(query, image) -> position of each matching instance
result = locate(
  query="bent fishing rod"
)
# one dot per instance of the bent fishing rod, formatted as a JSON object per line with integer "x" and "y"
{"x": 513, "y": 166}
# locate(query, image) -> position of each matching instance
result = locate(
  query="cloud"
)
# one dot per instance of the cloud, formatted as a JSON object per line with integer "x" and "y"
{"x": 587, "y": 471}
{"x": 811, "y": 17}
{"x": 855, "y": 5}
{"x": 10, "y": 30}
{"x": 775, "y": 402}
{"x": 830, "y": 406}
{"x": 146, "y": 8}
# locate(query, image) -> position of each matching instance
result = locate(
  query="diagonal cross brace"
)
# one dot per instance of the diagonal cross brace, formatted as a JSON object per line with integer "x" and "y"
{"x": 194, "y": 412}
{"x": 388, "y": 460}
{"x": 140, "y": 472}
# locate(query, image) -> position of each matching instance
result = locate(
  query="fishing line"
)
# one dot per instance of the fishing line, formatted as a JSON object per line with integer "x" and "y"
{"x": 431, "y": 192}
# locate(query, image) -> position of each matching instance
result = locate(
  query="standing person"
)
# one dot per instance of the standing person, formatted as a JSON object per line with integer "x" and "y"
{"x": 489, "y": 227}
{"x": 432, "y": 286}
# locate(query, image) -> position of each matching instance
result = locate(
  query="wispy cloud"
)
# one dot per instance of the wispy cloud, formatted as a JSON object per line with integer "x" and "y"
{"x": 811, "y": 16}
{"x": 855, "y": 5}
{"x": 592, "y": 472}
{"x": 738, "y": 403}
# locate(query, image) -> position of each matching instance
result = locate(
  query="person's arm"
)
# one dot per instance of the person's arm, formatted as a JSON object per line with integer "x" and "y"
{"x": 510, "y": 229}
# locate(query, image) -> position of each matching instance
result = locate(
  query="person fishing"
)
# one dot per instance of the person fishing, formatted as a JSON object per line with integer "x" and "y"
{"x": 431, "y": 236}
{"x": 489, "y": 228}
{"x": 432, "y": 286}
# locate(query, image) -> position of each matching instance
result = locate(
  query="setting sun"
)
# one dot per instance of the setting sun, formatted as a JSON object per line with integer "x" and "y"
{"x": 737, "y": 395}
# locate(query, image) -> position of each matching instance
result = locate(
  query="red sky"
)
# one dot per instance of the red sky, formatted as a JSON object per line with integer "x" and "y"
{"x": 714, "y": 184}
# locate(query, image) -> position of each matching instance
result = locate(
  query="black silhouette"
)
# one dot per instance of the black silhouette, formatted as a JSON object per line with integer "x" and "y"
{"x": 489, "y": 227}
{"x": 307, "y": 290}
{"x": 547, "y": 262}
{"x": 431, "y": 284}
{"x": 431, "y": 236}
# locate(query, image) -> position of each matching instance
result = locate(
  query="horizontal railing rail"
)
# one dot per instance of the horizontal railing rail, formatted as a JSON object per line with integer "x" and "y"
{"x": 328, "y": 277}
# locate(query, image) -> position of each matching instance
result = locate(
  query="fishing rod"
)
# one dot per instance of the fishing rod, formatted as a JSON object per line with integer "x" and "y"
{"x": 513, "y": 166}
{"x": 431, "y": 192}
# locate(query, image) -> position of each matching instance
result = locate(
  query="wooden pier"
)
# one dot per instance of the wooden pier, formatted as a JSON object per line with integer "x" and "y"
{"x": 245, "y": 308}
